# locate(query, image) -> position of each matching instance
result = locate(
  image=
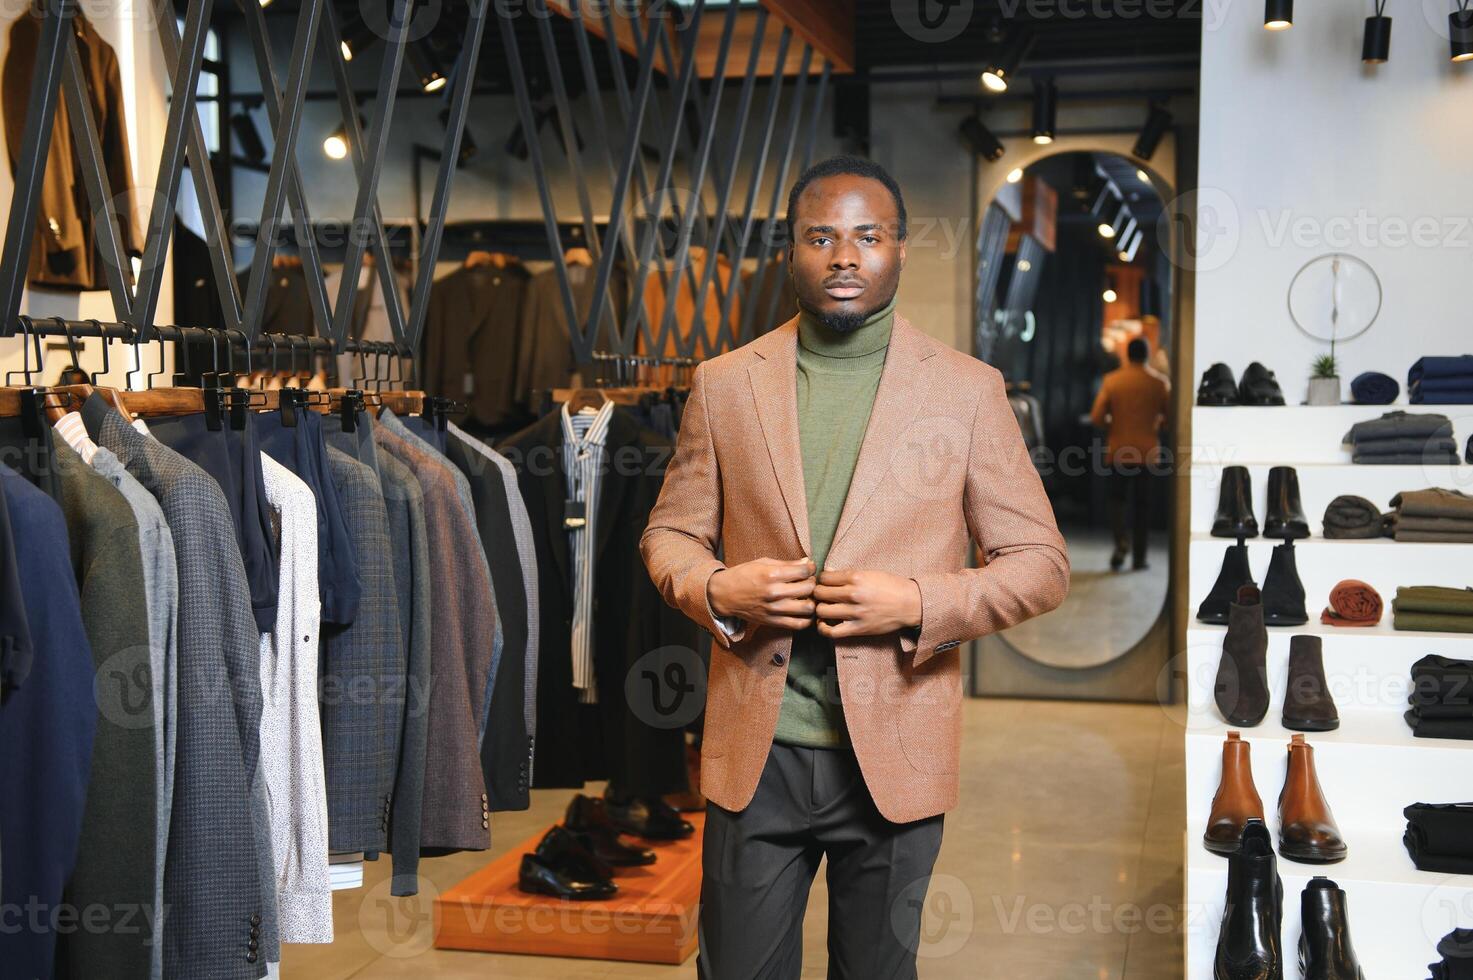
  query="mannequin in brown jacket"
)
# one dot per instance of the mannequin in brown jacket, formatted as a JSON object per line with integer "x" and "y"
{"x": 939, "y": 464}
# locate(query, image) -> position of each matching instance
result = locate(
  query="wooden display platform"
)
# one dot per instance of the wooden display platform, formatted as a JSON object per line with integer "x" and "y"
{"x": 651, "y": 920}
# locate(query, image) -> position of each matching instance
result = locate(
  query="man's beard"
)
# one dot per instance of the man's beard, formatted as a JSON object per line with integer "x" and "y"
{"x": 844, "y": 322}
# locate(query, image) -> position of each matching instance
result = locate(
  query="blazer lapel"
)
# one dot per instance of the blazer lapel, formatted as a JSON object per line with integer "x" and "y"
{"x": 555, "y": 492}
{"x": 774, "y": 380}
{"x": 897, "y": 402}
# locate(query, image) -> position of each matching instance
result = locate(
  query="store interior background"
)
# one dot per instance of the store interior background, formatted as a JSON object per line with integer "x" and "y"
{"x": 1074, "y": 785}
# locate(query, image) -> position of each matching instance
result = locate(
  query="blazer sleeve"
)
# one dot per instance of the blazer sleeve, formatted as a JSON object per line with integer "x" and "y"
{"x": 679, "y": 543}
{"x": 1026, "y": 570}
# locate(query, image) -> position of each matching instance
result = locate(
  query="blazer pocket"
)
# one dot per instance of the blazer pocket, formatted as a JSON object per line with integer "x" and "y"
{"x": 928, "y": 725}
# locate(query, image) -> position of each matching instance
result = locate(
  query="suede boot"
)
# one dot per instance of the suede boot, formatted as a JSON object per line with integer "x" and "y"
{"x": 1249, "y": 943}
{"x": 1234, "y": 518}
{"x": 1325, "y": 950}
{"x": 1285, "y": 515}
{"x": 1241, "y": 688}
{"x": 1237, "y": 800}
{"x": 1307, "y": 830}
{"x": 1283, "y": 593}
{"x": 1233, "y": 576}
{"x": 1308, "y": 706}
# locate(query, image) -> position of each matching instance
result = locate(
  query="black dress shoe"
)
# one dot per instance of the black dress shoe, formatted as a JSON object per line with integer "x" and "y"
{"x": 1234, "y": 518}
{"x": 589, "y": 821}
{"x": 652, "y": 819}
{"x": 1285, "y": 518}
{"x": 539, "y": 878}
{"x": 1283, "y": 593}
{"x": 1325, "y": 951}
{"x": 1217, "y": 386}
{"x": 1249, "y": 946}
{"x": 1259, "y": 387}
{"x": 1233, "y": 576}
{"x": 561, "y": 849}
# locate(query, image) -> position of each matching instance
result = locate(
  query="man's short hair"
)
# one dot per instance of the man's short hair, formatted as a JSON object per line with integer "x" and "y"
{"x": 854, "y": 166}
{"x": 1138, "y": 350}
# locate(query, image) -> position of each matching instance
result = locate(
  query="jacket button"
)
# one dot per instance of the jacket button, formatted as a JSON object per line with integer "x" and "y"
{"x": 251, "y": 957}
{"x": 255, "y": 920}
{"x": 779, "y": 659}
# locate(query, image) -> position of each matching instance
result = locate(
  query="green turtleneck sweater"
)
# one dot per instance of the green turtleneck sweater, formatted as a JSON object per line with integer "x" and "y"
{"x": 838, "y": 375}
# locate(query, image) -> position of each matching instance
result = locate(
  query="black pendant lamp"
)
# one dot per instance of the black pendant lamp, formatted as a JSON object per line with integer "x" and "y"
{"x": 1278, "y": 15}
{"x": 1376, "y": 48}
{"x": 1460, "y": 31}
{"x": 1045, "y": 111}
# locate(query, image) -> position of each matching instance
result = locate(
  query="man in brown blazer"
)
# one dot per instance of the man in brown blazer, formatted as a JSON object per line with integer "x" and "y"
{"x": 842, "y": 463}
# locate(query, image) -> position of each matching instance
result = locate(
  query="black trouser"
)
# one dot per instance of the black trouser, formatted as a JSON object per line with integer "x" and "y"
{"x": 1125, "y": 482}
{"x": 758, "y": 865}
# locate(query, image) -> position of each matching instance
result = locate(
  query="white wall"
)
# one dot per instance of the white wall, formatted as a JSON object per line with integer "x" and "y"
{"x": 1304, "y": 151}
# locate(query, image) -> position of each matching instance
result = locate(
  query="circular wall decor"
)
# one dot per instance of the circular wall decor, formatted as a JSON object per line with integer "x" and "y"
{"x": 1335, "y": 297}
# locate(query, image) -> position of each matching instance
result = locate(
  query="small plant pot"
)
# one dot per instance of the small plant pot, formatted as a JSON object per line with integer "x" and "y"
{"x": 1324, "y": 391}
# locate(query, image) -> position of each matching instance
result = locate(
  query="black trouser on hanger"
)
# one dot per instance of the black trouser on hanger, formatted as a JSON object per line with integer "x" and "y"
{"x": 1133, "y": 483}
{"x": 758, "y": 864}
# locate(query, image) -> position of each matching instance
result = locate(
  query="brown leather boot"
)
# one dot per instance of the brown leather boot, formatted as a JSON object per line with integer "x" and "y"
{"x": 1308, "y": 706}
{"x": 1237, "y": 798}
{"x": 1307, "y": 830}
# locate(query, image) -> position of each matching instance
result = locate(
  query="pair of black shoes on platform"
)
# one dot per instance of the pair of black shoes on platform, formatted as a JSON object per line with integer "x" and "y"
{"x": 1282, "y": 594}
{"x": 1258, "y": 387}
{"x": 1249, "y": 942}
{"x": 1285, "y": 516}
{"x": 577, "y": 859}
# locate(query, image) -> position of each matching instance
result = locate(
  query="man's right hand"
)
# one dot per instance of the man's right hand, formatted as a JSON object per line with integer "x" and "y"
{"x": 765, "y": 591}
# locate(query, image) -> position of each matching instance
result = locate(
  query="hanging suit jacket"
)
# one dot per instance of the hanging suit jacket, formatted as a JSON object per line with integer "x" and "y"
{"x": 47, "y": 729}
{"x": 64, "y": 253}
{"x": 578, "y": 742}
{"x": 506, "y": 749}
{"x": 213, "y": 886}
{"x": 471, "y": 340}
{"x": 942, "y": 465}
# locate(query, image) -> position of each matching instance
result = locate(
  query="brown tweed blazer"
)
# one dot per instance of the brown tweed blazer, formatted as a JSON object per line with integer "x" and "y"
{"x": 942, "y": 462}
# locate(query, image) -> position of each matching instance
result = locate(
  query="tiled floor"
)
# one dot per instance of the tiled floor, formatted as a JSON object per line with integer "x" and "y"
{"x": 1063, "y": 862}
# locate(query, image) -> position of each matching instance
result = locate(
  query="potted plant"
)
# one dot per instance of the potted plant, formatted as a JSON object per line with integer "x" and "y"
{"x": 1324, "y": 381}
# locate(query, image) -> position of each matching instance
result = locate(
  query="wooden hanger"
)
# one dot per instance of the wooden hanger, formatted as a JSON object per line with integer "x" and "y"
{"x": 578, "y": 256}
{"x": 402, "y": 402}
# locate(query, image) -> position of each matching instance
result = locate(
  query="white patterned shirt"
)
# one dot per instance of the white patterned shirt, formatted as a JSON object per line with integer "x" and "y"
{"x": 583, "y": 464}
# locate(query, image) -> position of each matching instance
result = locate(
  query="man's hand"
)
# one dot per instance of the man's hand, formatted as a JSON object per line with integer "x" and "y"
{"x": 765, "y": 591}
{"x": 865, "y": 603}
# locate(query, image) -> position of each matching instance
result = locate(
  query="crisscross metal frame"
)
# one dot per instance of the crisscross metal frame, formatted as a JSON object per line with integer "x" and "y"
{"x": 687, "y": 117}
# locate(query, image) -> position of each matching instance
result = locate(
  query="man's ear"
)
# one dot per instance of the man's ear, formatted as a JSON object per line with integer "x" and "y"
{"x": 902, "y": 253}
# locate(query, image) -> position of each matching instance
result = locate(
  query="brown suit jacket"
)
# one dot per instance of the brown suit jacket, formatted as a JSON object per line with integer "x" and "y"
{"x": 1132, "y": 404}
{"x": 942, "y": 462}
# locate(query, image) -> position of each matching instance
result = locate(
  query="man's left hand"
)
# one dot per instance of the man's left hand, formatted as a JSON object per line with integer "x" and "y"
{"x": 865, "y": 603}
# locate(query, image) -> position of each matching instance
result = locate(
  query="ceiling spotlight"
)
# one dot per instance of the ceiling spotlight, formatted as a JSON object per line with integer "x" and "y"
{"x": 1015, "y": 175}
{"x": 1142, "y": 176}
{"x": 1024, "y": 265}
{"x": 431, "y": 78}
{"x": 1111, "y": 211}
{"x": 468, "y": 148}
{"x": 252, "y": 147}
{"x": 1278, "y": 15}
{"x": 981, "y": 139}
{"x": 1158, "y": 121}
{"x": 1375, "y": 49}
{"x": 356, "y": 39}
{"x": 1460, "y": 31}
{"x": 1000, "y": 70}
{"x": 336, "y": 143}
{"x": 265, "y": 4}
{"x": 1045, "y": 111}
{"x": 1109, "y": 295}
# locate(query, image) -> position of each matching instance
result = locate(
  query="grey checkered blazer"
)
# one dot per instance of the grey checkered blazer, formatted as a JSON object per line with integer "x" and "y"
{"x": 217, "y": 902}
{"x": 362, "y": 682}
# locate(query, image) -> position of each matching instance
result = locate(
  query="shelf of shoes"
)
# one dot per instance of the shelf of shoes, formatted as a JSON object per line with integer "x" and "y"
{"x": 1295, "y": 434}
{"x": 1320, "y": 483}
{"x": 1371, "y": 767}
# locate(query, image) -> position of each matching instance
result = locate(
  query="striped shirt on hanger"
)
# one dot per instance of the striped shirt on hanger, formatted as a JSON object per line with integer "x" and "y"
{"x": 583, "y": 463}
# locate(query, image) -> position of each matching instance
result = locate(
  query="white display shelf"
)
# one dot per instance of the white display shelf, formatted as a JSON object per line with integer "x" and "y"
{"x": 1322, "y": 563}
{"x": 1320, "y": 483}
{"x": 1295, "y": 434}
{"x": 1372, "y": 766}
{"x": 1397, "y": 913}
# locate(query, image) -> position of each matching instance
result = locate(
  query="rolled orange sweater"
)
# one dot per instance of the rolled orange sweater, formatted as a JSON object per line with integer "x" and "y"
{"x": 1352, "y": 603}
